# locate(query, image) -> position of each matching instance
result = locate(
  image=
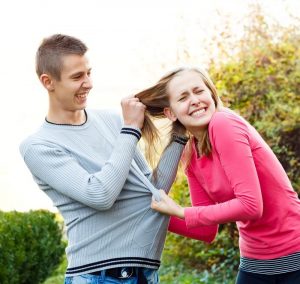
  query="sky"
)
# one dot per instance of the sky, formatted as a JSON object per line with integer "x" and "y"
{"x": 131, "y": 44}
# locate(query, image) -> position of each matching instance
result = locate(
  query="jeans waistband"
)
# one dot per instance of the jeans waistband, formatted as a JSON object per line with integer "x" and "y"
{"x": 119, "y": 272}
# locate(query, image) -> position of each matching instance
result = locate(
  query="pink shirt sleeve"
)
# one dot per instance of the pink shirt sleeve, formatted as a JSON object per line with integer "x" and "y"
{"x": 229, "y": 136}
{"x": 198, "y": 197}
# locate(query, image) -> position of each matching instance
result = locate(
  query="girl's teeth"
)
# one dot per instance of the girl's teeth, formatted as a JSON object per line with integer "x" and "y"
{"x": 198, "y": 112}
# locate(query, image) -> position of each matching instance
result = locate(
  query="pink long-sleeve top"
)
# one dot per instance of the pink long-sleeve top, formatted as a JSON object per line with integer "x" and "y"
{"x": 243, "y": 182}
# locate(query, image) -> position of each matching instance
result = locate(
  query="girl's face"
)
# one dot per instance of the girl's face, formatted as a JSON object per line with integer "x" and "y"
{"x": 191, "y": 102}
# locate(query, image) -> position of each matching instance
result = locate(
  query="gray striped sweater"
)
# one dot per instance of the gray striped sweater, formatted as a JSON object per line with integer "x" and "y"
{"x": 99, "y": 181}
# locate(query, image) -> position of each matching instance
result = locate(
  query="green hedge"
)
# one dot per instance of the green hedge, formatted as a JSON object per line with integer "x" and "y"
{"x": 30, "y": 246}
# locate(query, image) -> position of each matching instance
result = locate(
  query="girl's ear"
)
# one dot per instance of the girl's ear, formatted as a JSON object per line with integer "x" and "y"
{"x": 47, "y": 82}
{"x": 169, "y": 114}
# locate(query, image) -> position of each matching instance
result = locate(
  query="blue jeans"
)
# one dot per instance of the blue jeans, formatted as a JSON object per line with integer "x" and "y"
{"x": 150, "y": 274}
{"x": 254, "y": 278}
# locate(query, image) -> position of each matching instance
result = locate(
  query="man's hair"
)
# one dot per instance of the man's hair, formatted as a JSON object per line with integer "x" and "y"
{"x": 52, "y": 50}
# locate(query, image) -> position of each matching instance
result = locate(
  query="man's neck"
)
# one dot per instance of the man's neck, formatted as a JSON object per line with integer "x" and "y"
{"x": 67, "y": 118}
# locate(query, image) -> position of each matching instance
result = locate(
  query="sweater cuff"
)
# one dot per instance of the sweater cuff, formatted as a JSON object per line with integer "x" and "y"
{"x": 189, "y": 217}
{"x": 132, "y": 131}
{"x": 180, "y": 139}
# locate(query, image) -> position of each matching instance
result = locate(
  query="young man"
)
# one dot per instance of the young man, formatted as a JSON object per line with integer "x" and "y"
{"x": 88, "y": 163}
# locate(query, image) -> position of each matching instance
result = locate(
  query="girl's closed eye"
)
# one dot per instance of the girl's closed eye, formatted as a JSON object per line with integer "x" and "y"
{"x": 199, "y": 91}
{"x": 182, "y": 98}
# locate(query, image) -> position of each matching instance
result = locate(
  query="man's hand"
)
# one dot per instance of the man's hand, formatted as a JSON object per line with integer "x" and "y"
{"x": 133, "y": 112}
{"x": 167, "y": 205}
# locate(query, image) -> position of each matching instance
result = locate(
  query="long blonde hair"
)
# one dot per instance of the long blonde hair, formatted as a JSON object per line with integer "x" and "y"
{"x": 156, "y": 98}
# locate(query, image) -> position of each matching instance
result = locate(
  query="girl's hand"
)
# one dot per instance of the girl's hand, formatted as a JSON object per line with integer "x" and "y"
{"x": 167, "y": 205}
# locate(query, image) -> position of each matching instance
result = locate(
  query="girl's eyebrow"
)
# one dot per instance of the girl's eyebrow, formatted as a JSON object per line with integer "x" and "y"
{"x": 183, "y": 93}
{"x": 197, "y": 88}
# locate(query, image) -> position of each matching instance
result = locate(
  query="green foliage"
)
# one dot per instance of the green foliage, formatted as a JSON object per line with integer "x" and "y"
{"x": 58, "y": 275}
{"x": 262, "y": 82}
{"x": 30, "y": 246}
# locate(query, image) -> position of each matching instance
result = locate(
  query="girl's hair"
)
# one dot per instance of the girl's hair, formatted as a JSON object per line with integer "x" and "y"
{"x": 156, "y": 98}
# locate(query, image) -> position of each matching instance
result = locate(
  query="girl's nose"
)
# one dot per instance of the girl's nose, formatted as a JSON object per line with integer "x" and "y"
{"x": 195, "y": 100}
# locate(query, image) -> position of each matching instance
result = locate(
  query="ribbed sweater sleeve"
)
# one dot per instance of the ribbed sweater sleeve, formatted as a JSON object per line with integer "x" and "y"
{"x": 167, "y": 166}
{"x": 57, "y": 168}
{"x": 142, "y": 163}
{"x": 230, "y": 139}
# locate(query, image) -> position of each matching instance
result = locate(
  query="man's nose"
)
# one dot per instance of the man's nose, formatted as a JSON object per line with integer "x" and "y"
{"x": 87, "y": 83}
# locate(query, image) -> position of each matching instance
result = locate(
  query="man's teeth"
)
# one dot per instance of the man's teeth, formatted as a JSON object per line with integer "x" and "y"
{"x": 198, "y": 112}
{"x": 82, "y": 96}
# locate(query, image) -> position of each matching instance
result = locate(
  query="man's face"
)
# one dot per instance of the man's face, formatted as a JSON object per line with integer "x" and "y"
{"x": 71, "y": 91}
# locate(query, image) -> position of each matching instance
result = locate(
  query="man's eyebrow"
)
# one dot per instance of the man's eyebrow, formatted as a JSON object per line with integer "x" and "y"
{"x": 76, "y": 74}
{"x": 80, "y": 73}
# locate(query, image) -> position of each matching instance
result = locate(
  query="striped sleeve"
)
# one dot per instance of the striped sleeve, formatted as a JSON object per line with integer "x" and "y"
{"x": 131, "y": 131}
{"x": 57, "y": 168}
{"x": 168, "y": 164}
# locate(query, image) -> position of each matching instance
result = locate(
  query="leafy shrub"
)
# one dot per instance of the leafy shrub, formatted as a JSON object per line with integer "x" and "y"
{"x": 58, "y": 275}
{"x": 262, "y": 82}
{"x": 30, "y": 246}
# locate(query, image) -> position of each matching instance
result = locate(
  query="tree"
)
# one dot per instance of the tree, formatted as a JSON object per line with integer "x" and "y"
{"x": 262, "y": 82}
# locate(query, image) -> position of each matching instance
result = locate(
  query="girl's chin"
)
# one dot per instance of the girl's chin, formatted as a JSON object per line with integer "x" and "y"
{"x": 196, "y": 126}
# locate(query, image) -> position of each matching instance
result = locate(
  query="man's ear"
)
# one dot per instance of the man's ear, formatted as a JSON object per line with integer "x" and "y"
{"x": 169, "y": 114}
{"x": 47, "y": 82}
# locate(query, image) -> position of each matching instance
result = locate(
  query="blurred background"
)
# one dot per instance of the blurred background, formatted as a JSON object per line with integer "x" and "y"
{"x": 132, "y": 44}
{"x": 250, "y": 48}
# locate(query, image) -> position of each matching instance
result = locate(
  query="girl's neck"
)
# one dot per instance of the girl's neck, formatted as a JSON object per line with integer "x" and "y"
{"x": 198, "y": 134}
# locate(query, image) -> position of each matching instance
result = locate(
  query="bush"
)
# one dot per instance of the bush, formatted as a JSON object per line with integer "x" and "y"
{"x": 58, "y": 275}
{"x": 261, "y": 82}
{"x": 30, "y": 246}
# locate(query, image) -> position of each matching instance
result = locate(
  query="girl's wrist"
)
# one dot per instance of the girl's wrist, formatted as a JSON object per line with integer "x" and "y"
{"x": 180, "y": 212}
